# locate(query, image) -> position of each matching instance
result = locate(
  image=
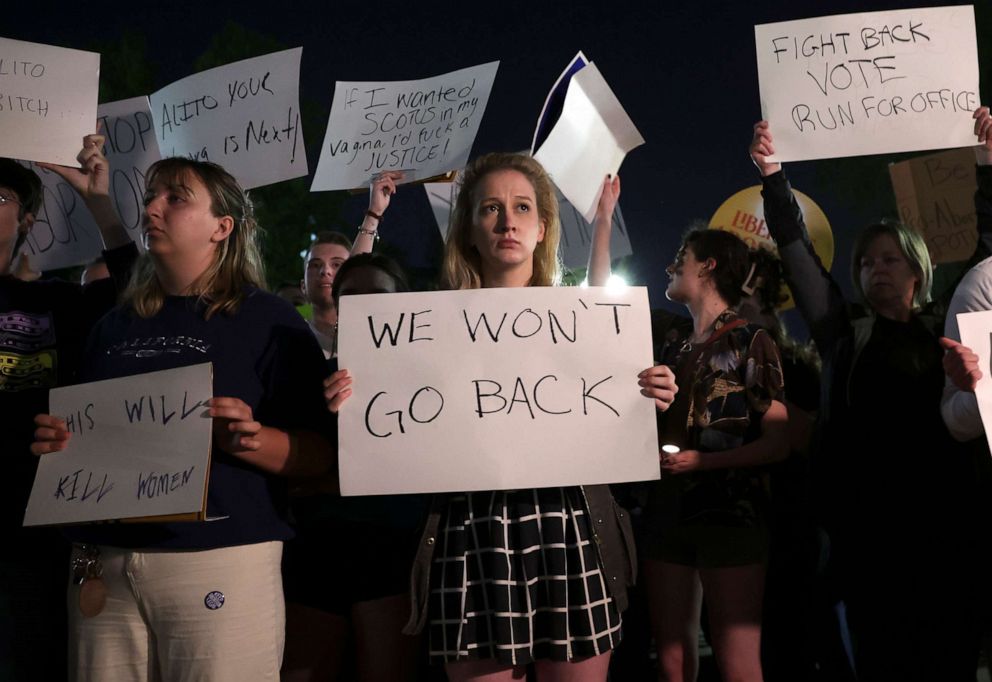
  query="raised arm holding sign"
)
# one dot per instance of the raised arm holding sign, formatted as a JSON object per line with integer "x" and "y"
{"x": 886, "y": 374}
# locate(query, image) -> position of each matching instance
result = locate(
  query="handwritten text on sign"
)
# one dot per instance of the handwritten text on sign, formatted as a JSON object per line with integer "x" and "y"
{"x": 48, "y": 100}
{"x": 140, "y": 446}
{"x": 64, "y": 233}
{"x": 423, "y": 127}
{"x": 495, "y": 389}
{"x": 244, "y": 116}
{"x": 873, "y": 83}
{"x": 936, "y": 197}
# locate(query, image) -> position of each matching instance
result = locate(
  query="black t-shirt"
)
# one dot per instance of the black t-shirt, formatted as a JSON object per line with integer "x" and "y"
{"x": 43, "y": 328}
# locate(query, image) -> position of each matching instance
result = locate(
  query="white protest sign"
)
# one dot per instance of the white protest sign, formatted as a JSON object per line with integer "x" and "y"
{"x": 130, "y": 148}
{"x": 140, "y": 447}
{"x": 493, "y": 389}
{"x": 64, "y": 233}
{"x": 48, "y": 100}
{"x": 423, "y": 127}
{"x": 872, "y": 83}
{"x": 576, "y": 232}
{"x": 976, "y": 334}
{"x": 244, "y": 116}
{"x": 589, "y": 141}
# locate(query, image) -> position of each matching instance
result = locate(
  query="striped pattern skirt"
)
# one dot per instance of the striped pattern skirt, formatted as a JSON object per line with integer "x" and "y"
{"x": 517, "y": 577}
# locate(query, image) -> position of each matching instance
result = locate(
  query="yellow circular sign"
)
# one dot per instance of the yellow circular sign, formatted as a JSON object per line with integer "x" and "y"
{"x": 744, "y": 215}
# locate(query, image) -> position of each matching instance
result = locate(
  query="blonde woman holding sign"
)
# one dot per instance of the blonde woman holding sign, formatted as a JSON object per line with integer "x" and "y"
{"x": 529, "y": 576}
{"x": 200, "y": 600}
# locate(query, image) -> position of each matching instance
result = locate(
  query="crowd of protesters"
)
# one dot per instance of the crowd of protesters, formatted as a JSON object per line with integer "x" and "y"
{"x": 826, "y": 502}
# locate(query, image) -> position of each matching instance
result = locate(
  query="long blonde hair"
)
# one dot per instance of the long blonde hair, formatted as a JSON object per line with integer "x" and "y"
{"x": 237, "y": 261}
{"x": 461, "y": 268}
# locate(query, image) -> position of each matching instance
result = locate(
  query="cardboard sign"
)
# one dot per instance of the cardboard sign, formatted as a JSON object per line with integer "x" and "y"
{"x": 423, "y": 128}
{"x": 48, "y": 101}
{"x": 140, "y": 448}
{"x": 936, "y": 197}
{"x": 872, "y": 83}
{"x": 589, "y": 141}
{"x": 244, "y": 116}
{"x": 493, "y": 389}
{"x": 576, "y": 231}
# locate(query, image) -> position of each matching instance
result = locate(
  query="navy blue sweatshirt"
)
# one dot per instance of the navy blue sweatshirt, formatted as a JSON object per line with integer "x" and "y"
{"x": 263, "y": 354}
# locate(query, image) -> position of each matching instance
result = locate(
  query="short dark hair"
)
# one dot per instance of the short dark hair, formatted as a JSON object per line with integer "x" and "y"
{"x": 733, "y": 261}
{"x": 24, "y": 182}
{"x": 767, "y": 280}
{"x": 328, "y": 237}
{"x": 369, "y": 260}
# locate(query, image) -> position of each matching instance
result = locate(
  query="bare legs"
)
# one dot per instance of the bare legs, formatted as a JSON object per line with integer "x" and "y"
{"x": 734, "y": 607}
{"x": 591, "y": 669}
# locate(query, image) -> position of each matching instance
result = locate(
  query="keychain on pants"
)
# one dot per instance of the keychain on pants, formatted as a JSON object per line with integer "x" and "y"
{"x": 86, "y": 574}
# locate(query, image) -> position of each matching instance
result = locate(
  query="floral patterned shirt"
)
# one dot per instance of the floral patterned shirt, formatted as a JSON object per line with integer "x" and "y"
{"x": 735, "y": 378}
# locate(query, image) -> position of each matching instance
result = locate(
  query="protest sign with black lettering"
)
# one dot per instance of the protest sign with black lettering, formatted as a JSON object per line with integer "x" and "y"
{"x": 140, "y": 447}
{"x": 131, "y": 148}
{"x": 493, "y": 389}
{"x": 48, "y": 100}
{"x": 871, "y": 83}
{"x": 64, "y": 232}
{"x": 936, "y": 197}
{"x": 576, "y": 232}
{"x": 244, "y": 116}
{"x": 423, "y": 127}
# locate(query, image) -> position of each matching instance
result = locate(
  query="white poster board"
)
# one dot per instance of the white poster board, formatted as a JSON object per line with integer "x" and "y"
{"x": 423, "y": 127}
{"x": 872, "y": 83}
{"x": 492, "y": 389}
{"x": 976, "y": 334}
{"x": 576, "y": 231}
{"x": 589, "y": 141}
{"x": 130, "y": 148}
{"x": 244, "y": 116}
{"x": 64, "y": 232}
{"x": 140, "y": 447}
{"x": 48, "y": 101}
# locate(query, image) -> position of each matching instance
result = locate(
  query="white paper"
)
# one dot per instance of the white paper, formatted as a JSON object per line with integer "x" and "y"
{"x": 131, "y": 149}
{"x": 576, "y": 231}
{"x": 553, "y": 401}
{"x": 422, "y": 127}
{"x": 48, "y": 101}
{"x": 589, "y": 141}
{"x": 140, "y": 446}
{"x": 64, "y": 232}
{"x": 871, "y": 83}
{"x": 244, "y": 116}
{"x": 976, "y": 334}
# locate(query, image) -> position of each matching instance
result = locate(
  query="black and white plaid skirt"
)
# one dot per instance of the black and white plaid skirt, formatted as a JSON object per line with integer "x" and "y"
{"x": 517, "y": 577}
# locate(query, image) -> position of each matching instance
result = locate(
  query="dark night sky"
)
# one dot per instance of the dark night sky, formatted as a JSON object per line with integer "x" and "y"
{"x": 685, "y": 72}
